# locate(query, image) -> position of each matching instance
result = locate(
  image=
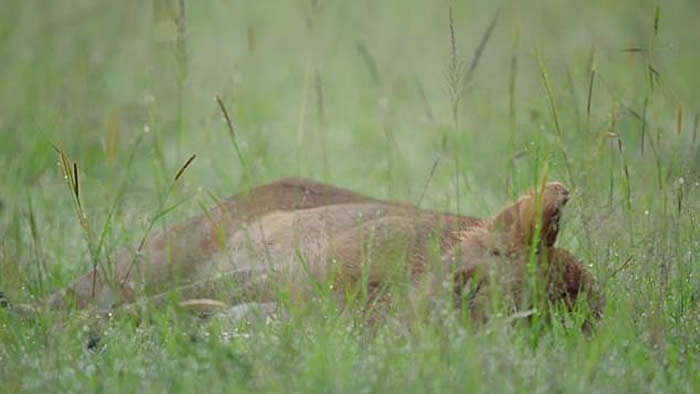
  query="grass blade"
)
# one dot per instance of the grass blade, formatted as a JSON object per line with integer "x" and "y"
{"x": 644, "y": 125}
{"x": 184, "y": 167}
{"x": 232, "y": 134}
{"x": 555, "y": 116}
{"x": 76, "y": 184}
{"x": 591, "y": 80}
{"x": 369, "y": 62}
{"x": 478, "y": 52}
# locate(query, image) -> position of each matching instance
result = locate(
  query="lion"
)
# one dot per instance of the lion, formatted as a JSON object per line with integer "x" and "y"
{"x": 295, "y": 233}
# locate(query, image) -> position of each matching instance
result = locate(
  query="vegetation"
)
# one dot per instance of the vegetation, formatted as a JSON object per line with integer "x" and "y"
{"x": 457, "y": 106}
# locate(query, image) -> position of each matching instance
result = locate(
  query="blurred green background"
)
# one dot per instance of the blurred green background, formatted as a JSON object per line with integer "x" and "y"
{"x": 375, "y": 96}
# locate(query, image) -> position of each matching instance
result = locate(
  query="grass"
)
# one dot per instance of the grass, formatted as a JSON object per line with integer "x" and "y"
{"x": 365, "y": 95}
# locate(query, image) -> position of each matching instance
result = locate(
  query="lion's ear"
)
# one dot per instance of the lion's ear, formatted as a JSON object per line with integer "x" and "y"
{"x": 519, "y": 220}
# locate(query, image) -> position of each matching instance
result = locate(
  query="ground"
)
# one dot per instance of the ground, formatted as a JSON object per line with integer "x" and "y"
{"x": 387, "y": 98}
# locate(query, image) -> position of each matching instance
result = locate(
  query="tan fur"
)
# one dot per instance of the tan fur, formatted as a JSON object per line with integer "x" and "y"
{"x": 295, "y": 232}
{"x": 521, "y": 218}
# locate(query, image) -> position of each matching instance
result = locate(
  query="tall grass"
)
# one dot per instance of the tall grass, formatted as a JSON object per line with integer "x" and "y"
{"x": 127, "y": 92}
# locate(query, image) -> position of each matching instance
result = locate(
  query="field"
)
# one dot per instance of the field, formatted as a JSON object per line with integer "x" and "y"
{"x": 458, "y": 106}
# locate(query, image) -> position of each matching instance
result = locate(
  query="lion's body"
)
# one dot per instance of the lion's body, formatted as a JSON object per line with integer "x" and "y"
{"x": 294, "y": 233}
{"x": 276, "y": 228}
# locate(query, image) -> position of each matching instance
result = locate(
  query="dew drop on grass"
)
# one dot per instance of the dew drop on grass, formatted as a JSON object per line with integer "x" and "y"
{"x": 148, "y": 99}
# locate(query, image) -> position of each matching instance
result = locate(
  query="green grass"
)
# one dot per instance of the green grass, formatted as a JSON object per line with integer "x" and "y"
{"x": 366, "y": 95}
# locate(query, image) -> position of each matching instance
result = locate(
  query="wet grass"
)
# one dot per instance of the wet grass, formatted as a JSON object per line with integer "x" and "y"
{"x": 378, "y": 97}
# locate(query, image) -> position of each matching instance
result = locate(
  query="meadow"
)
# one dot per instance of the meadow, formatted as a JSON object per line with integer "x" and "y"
{"x": 458, "y": 106}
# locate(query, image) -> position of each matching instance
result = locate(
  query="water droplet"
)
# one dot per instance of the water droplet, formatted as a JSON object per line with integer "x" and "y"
{"x": 148, "y": 98}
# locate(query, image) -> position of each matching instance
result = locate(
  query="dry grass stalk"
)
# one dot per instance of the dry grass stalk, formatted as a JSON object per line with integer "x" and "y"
{"x": 234, "y": 140}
